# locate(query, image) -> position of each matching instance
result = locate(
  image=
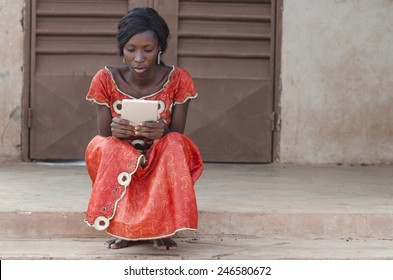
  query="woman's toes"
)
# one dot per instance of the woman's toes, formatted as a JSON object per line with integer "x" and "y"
{"x": 165, "y": 244}
{"x": 118, "y": 243}
{"x": 109, "y": 242}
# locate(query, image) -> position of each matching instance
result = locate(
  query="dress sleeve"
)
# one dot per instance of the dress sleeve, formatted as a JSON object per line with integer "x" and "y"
{"x": 186, "y": 88}
{"x": 99, "y": 90}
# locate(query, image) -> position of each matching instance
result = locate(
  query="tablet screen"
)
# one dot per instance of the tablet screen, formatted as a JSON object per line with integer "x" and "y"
{"x": 138, "y": 111}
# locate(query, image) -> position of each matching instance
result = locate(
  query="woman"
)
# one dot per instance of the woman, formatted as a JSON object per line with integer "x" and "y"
{"x": 143, "y": 174}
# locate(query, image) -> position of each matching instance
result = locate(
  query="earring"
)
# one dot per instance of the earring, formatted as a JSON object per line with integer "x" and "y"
{"x": 159, "y": 58}
{"x": 124, "y": 61}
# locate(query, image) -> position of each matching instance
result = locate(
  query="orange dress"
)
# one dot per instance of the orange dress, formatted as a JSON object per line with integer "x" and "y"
{"x": 134, "y": 202}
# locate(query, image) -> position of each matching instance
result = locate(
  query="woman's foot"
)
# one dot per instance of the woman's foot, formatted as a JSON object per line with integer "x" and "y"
{"x": 117, "y": 243}
{"x": 164, "y": 244}
{"x": 161, "y": 244}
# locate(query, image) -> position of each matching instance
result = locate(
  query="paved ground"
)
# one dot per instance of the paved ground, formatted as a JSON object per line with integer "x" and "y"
{"x": 246, "y": 212}
{"x": 222, "y": 187}
{"x": 207, "y": 248}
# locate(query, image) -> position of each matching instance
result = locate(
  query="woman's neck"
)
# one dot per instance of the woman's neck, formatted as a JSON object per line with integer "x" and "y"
{"x": 140, "y": 86}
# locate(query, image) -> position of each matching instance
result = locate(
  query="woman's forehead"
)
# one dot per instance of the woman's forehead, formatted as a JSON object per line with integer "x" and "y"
{"x": 146, "y": 36}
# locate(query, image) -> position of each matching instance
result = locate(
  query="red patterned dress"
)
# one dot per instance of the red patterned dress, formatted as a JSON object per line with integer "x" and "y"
{"x": 151, "y": 202}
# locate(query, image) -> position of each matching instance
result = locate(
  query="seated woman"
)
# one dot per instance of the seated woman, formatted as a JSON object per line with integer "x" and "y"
{"x": 143, "y": 174}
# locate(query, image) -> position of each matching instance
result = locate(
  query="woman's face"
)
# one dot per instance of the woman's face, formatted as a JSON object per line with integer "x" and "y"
{"x": 140, "y": 52}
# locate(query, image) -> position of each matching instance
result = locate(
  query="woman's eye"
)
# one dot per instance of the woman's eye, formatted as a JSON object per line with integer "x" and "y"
{"x": 130, "y": 50}
{"x": 148, "y": 50}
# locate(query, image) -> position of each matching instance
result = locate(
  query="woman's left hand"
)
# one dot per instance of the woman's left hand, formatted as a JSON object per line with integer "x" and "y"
{"x": 151, "y": 130}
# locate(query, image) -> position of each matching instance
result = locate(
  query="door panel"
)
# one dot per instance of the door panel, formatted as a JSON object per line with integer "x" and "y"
{"x": 71, "y": 40}
{"x": 228, "y": 47}
{"x": 224, "y": 123}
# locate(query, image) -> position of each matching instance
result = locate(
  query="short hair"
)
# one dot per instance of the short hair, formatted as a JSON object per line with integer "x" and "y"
{"x": 139, "y": 20}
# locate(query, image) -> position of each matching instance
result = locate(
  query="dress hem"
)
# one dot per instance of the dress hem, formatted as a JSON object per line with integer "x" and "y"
{"x": 153, "y": 237}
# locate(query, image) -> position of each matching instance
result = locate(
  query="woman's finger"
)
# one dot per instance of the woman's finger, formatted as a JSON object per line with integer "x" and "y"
{"x": 121, "y": 128}
{"x": 149, "y": 132}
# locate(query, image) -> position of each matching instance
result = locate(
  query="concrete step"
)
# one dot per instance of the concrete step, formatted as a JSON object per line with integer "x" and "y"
{"x": 260, "y": 201}
{"x": 261, "y": 225}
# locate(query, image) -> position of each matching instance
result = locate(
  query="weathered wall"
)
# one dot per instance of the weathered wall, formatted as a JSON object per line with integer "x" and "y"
{"x": 11, "y": 77}
{"x": 337, "y": 81}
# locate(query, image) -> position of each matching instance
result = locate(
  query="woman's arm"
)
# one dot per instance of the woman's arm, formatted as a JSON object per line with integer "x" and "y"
{"x": 104, "y": 120}
{"x": 179, "y": 117}
{"x": 116, "y": 127}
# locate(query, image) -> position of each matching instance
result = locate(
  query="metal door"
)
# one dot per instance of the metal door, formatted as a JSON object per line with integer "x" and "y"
{"x": 227, "y": 46}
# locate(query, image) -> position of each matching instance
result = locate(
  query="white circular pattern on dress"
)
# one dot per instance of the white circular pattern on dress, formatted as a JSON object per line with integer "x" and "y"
{"x": 116, "y": 106}
{"x": 124, "y": 179}
{"x": 161, "y": 106}
{"x": 101, "y": 223}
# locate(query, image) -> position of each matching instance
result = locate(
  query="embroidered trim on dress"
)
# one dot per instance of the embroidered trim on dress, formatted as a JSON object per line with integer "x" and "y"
{"x": 143, "y": 97}
{"x": 97, "y": 222}
{"x": 184, "y": 101}
{"x": 153, "y": 237}
{"x": 99, "y": 103}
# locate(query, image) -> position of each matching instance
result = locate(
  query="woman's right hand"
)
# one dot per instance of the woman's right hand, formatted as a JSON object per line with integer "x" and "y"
{"x": 122, "y": 128}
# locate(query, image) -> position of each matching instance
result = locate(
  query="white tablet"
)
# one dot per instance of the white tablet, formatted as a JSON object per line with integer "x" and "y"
{"x": 138, "y": 111}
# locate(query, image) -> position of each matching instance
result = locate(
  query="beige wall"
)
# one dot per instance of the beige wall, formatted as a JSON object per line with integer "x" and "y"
{"x": 337, "y": 81}
{"x": 11, "y": 77}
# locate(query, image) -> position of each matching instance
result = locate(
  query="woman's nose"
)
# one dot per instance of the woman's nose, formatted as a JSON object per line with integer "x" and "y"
{"x": 139, "y": 56}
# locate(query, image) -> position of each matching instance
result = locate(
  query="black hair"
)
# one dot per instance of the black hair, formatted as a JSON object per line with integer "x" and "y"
{"x": 139, "y": 20}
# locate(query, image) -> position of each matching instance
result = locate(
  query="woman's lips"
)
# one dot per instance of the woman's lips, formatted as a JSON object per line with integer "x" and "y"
{"x": 139, "y": 69}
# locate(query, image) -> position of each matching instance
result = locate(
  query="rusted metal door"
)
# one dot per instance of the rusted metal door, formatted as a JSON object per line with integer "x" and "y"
{"x": 227, "y": 46}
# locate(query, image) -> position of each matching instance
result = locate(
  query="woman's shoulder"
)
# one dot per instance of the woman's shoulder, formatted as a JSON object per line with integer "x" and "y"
{"x": 110, "y": 71}
{"x": 179, "y": 73}
{"x": 115, "y": 69}
{"x": 108, "y": 75}
{"x": 102, "y": 74}
{"x": 180, "y": 70}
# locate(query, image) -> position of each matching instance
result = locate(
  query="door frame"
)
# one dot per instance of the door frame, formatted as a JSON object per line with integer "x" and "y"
{"x": 25, "y": 102}
{"x": 277, "y": 81}
{"x": 25, "y": 137}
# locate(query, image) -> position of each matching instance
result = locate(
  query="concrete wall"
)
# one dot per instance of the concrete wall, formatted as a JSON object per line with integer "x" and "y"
{"x": 337, "y": 80}
{"x": 11, "y": 77}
